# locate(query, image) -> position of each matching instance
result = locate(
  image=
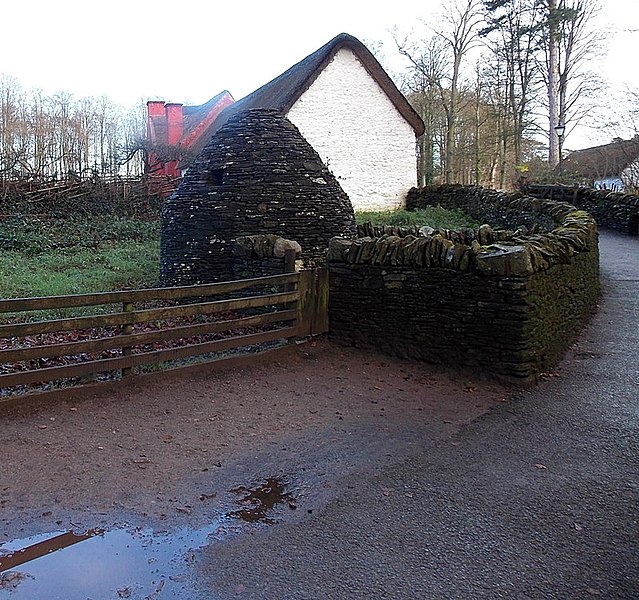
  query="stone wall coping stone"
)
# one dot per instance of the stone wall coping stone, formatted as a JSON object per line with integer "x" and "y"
{"x": 485, "y": 250}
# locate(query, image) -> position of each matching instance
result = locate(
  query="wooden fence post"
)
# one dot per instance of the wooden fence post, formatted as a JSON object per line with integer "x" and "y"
{"x": 289, "y": 260}
{"x": 313, "y": 304}
{"x": 127, "y": 330}
{"x": 320, "y": 317}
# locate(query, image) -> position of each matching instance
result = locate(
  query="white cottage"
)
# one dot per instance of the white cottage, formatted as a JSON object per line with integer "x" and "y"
{"x": 350, "y": 111}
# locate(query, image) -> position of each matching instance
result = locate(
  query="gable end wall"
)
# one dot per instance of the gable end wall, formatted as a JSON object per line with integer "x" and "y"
{"x": 359, "y": 134}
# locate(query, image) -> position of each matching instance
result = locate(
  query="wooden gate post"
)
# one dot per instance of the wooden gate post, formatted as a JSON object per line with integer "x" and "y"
{"x": 289, "y": 260}
{"x": 313, "y": 303}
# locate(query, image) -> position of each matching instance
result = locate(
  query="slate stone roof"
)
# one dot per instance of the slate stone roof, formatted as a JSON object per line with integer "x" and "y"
{"x": 257, "y": 175}
{"x": 608, "y": 160}
{"x": 283, "y": 91}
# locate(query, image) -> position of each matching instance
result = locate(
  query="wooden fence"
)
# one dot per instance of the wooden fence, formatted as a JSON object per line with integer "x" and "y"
{"x": 155, "y": 326}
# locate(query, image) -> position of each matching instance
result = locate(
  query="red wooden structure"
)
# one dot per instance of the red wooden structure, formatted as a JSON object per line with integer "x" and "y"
{"x": 173, "y": 129}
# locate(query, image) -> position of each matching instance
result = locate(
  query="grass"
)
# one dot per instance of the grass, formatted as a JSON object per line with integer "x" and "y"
{"x": 41, "y": 256}
{"x": 433, "y": 216}
{"x": 33, "y": 235}
{"x": 79, "y": 270}
{"x": 53, "y": 257}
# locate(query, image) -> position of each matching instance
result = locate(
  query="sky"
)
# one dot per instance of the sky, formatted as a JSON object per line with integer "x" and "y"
{"x": 189, "y": 50}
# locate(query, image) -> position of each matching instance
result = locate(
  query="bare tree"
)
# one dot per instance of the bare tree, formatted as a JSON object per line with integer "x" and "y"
{"x": 424, "y": 87}
{"x": 463, "y": 22}
{"x": 436, "y": 66}
{"x": 570, "y": 42}
{"x": 60, "y": 136}
{"x": 512, "y": 36}
{"x": 13, "y": 142}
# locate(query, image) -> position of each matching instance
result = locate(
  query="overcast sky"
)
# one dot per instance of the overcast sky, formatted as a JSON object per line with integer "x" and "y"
{"x": 189, "y": 50}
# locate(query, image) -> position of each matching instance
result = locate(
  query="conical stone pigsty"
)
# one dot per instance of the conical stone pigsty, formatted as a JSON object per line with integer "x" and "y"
{"x": 258, "y": 175}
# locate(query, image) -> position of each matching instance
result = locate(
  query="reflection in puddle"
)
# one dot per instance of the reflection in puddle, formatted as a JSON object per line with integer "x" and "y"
{"x": 38, "y": 549}
{"x": 100, "y": 565}
{"x": 135, "y": 563}
{"x": 258, "y": 501}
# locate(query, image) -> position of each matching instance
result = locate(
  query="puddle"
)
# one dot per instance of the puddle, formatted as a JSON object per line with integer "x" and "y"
{"x": 136, "y": 563}
{"x": 260, "y": 500}
{"x": 122, "y": 563}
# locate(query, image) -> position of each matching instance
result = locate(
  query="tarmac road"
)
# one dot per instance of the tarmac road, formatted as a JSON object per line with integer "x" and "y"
{"x": 538, "y": 499}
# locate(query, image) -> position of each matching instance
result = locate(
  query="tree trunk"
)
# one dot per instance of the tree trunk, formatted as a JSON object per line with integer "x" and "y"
{"x": 553, "y": 83}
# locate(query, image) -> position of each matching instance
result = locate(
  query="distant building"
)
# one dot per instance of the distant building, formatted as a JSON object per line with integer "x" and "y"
{"x": 175, "y": 131}
{"x": 613, "y": 166}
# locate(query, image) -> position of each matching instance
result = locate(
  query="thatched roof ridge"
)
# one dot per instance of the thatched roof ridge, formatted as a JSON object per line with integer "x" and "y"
{"x": 283, "y": 91}
{"x": 607, "y": 160}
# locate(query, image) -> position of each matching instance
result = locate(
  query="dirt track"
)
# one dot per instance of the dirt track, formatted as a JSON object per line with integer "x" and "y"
{"x": 167, "y": 453}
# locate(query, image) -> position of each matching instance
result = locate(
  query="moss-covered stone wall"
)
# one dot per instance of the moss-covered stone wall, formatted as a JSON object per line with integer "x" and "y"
{"x": 507, "y": 302}
{"x": 500, "y": 209}
{"x": 613, "y": 210}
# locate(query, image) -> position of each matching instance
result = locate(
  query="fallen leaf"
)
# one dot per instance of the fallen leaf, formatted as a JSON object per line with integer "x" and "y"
{"x": 9, "y": 580}
{"x": 154, "y": 595}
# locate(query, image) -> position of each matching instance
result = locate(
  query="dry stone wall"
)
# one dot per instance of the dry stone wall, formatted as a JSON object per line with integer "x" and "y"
{"x": 261, "y": 255}
{"x": 508, "y": 302}
{"x": 613, "y": 210}
{"x": 500, "y": 209}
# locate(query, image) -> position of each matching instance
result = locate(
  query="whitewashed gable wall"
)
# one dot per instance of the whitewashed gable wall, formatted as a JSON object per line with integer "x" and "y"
{"x": 357, "y": 131}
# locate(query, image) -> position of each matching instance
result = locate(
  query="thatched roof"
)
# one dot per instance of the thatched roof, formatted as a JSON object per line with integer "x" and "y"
{"x": 283, "y": 91}
{"x": 608, "y": 160}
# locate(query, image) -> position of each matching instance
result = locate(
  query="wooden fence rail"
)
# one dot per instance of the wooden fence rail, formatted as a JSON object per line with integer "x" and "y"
{"x": 201, "y": 320}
